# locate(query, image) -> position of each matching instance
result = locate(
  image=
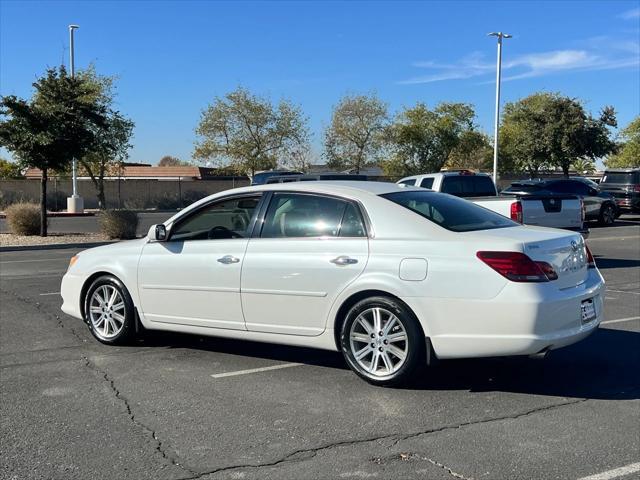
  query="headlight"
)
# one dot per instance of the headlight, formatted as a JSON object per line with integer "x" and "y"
{"x": 73, "y": 260}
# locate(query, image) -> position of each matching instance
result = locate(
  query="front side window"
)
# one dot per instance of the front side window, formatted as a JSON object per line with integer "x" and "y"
{"x": 300, "y": 216}
{"x": 219, "y": 220}
{"x": 450, "y": 212}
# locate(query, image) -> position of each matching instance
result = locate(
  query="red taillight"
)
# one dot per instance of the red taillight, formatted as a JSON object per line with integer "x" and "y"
{"x": 516, "y": 212}
{"x": 591, "y": 262}
{"x": 517, "y": 267}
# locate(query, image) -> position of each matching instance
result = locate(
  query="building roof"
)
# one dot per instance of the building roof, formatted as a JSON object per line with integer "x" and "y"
{"x": 153, "y": 172}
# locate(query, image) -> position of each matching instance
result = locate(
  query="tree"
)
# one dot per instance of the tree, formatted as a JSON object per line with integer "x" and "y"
{"x": 629, "y": 150}
{"x": 112, "y": 138}
{"x": 56, "y": 125}
{"x": 355, "y": 137}
{"x": 584, "y": 166}
{"x": 249, "y": 132}
{"x": 169, "y": 161}
{"x": 551, "y": 129}
{"x": 9, "y": 169}
{"x": 473, "y": 152}
{"x": 422, "y": 140}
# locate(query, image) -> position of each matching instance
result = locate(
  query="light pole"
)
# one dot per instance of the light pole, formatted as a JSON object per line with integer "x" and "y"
{"x": 500, "y": 36}
{"x": 75, "y": 203}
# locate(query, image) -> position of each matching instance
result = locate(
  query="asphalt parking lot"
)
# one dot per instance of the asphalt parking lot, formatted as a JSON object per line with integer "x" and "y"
{"x": 73, "y": 408}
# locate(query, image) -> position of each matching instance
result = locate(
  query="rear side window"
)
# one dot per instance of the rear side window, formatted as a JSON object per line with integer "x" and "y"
{"x": 449, "y": 212}
{"x": 626, "y": 178}
{"x": 426, "y": 183}
{"x": 568, "y": 186}
{"x": 294, "y": 215}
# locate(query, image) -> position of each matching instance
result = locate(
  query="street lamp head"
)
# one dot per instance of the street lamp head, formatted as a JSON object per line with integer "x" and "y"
{"x": 499, "y": 35}
{"x": 73, "y": 27}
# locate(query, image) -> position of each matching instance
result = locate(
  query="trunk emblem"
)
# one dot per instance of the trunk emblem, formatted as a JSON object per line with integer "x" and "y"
{"x": 574, "y": 245}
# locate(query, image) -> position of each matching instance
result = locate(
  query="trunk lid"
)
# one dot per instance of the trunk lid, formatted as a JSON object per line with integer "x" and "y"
{"x": 564, "y": 251}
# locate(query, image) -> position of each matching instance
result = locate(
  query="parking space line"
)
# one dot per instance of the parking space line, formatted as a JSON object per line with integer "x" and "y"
{"x": 35, "y": 260}
{"x": 49, "y": 293}
{"x": 623, "y": 291}
{"x": 620, "y": 320}
{"x": 615, "y": 473}
{"x": 255, "y": 370}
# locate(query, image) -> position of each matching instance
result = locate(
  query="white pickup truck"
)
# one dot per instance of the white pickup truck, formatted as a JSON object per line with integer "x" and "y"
{"x": 557, "y": 211}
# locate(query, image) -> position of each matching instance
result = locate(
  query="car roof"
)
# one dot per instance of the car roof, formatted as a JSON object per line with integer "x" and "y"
{"x": 338, "y": 187}
{"x": 622, "y": 170}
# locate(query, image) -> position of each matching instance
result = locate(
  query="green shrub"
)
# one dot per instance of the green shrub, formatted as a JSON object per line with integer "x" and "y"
{"x": 24, "y": 218}
{"x": 120, "y": 224}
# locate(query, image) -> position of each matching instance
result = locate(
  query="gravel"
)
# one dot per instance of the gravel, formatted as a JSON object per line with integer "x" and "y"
{"x": 11, "y": 240}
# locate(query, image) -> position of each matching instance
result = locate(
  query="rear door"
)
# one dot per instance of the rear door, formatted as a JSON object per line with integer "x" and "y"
{"x": 309, "y": 249}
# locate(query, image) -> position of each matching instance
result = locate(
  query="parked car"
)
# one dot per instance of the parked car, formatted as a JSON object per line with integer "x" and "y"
{"x": 261, "y": 178}
{"x": 389, "y": 276}
{"x": 548, "y": 210}
{"x": 624, "y": 185}
{"x": 599, "y": 206}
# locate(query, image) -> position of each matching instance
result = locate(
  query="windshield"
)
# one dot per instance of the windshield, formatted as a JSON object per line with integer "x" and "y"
{"x": 450, "y": 212}
{"x": 618, "y": 177}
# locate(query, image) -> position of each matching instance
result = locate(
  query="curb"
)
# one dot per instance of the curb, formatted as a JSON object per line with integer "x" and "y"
{"x": 61, "y": 214}
{"x": 54, "y": 246}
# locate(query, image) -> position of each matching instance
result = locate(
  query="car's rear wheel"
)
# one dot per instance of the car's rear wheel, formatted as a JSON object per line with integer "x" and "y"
{"x": 109, "y": 311}
{"x": 382, "y": 341}
{"x": 607, "y": 215}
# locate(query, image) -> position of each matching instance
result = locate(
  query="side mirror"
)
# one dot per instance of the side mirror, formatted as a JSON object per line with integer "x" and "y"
{"x": 157, "y": 233}
{"x": 593, "y": 192}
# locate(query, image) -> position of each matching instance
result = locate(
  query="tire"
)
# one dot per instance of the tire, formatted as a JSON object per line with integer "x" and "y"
{"x": 607, "y": 214}
{"x": 401, "y": 359}
{"x": 110, "y": 316}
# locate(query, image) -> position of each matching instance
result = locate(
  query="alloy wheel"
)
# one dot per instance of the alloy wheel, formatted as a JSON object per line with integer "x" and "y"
{"x": 107, "y": 311}
{"x": 378, "y": 342}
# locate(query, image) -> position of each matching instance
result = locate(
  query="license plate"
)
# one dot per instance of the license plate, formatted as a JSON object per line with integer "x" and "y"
{"x": 587, "y": 311}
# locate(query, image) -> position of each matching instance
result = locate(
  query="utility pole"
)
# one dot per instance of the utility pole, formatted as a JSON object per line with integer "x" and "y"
{"x": 496, "y": 125}
{"x": 75, "y": 204}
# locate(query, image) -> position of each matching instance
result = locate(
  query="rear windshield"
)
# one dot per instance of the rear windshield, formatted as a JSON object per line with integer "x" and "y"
{"x": 523, "y": 187}
{"x": 468, "y": 186}
{"x": 450, "y": 212}
{"x": 618, "y": 177}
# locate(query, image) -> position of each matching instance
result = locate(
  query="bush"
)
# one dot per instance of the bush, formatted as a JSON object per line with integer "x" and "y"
{"x": 24, "y": 218}
{"x": 120, "y": 224}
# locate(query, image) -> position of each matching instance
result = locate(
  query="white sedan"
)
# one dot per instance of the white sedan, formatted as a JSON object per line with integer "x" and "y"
{"x": 392, "y": 277}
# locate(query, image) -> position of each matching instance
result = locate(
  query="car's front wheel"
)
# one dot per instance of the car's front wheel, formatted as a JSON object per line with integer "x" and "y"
{"x": 109, "y": 311}
{"x": 382, "y": 341}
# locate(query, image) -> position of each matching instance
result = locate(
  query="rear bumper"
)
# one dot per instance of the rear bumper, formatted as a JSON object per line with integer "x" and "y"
{"x": 524, "y": 319}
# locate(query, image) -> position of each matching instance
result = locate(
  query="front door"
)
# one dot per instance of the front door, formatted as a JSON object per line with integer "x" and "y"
{"x": 194, "y": 277}
{"x": 310, "y": 248}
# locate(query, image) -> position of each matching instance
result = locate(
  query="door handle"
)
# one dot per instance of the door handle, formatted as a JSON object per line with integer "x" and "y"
{"x": 228, "y": 259}
{"x": 344, "y": 260}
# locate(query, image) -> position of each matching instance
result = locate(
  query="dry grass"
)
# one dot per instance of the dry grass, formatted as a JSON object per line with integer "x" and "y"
{"x": 24, "y": 218}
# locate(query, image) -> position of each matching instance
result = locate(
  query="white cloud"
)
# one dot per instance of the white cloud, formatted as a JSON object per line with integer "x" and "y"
{"x": 630, "y": 14}
{"x": 621, "y": 54}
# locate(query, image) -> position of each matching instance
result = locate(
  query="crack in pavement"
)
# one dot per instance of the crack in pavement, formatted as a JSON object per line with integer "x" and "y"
{"x": 308, "y": 453}
{"x": 159, "y": 447}
{"x": 38, "y": 306}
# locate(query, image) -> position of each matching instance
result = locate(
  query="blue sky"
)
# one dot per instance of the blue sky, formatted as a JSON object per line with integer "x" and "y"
{"x": 173, "y": 57}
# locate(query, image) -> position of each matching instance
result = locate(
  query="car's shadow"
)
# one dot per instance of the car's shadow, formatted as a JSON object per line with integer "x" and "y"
{"x": 604, "y": 262}
{"x": 605, "y": 366}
